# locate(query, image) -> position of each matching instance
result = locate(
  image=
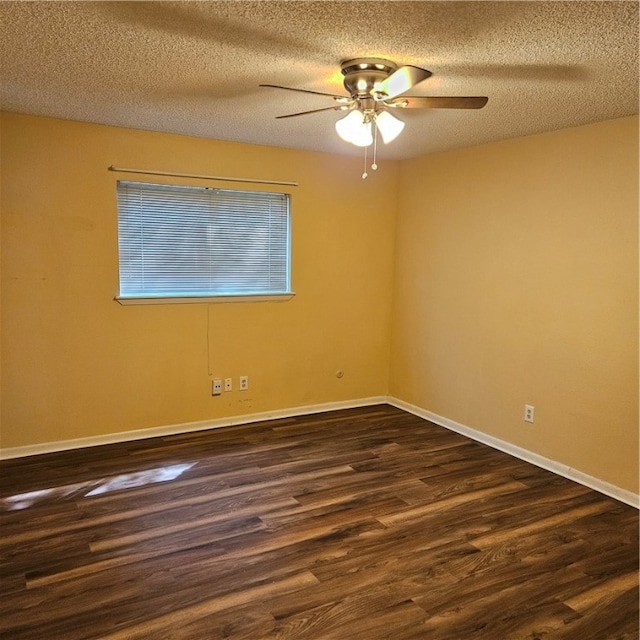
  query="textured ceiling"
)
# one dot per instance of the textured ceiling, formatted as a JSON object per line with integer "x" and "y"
{"x": 194, "y": 67}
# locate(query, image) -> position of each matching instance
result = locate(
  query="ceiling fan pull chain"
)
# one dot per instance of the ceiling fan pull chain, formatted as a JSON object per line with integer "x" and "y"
{"x": 365, "y": 174}
{"x": 374, "y": 166}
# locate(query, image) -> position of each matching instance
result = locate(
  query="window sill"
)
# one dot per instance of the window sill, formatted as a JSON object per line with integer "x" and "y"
{"x": 261, "y": 297}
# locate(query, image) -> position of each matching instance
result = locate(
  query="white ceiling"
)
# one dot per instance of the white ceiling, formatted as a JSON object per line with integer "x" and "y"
{"x": 194, "y": 67}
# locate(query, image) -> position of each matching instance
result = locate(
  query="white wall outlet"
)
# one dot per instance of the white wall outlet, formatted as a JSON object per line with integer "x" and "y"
{"x": 228, "y": 384}
{"x": 216, "y": 387}
{"x": 244, "y": 383}
{"x": 529, "y": 410}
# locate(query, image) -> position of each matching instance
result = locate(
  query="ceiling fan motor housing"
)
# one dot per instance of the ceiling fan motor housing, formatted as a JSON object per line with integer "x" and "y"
{"x": 362, "y": 74}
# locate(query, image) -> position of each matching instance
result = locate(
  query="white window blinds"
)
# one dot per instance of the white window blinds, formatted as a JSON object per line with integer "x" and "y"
{"x": 180, "y": 241}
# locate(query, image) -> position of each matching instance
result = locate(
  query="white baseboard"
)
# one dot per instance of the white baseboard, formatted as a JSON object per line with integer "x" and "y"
{"x": 608, "y": 489}
{"x": 202, "y": 425}
{"x": 623, "y": 495}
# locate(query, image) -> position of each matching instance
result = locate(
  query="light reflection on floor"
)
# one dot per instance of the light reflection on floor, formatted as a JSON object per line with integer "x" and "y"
{"x": 96, "y": 487}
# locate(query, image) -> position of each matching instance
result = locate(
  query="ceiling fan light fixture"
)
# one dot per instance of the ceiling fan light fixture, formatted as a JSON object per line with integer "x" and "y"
{"x": 355, "y": 129}
{"x": 389, "y": 126}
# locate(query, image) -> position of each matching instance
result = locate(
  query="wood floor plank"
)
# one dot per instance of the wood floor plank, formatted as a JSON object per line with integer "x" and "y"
{"x": 365, "y": 523}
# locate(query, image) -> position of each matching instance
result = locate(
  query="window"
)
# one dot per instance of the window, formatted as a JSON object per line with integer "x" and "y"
{"x": 185, "y": 242}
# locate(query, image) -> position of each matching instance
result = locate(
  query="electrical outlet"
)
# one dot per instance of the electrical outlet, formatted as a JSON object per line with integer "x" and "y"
{"x": 228, "y": 384}
{"x": 529, "y": 410}
{"x": 216, "y": 387}
{"x": 244, "y": 383}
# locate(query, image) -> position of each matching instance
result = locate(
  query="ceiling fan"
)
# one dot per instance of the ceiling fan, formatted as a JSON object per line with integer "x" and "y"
{"x": 376, "y": 89}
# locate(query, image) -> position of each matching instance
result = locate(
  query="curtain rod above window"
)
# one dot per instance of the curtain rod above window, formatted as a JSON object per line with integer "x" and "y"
{"x": 202, "y": 177}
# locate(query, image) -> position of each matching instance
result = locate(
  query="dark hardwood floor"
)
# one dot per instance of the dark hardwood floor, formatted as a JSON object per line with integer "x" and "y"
{"x": 358, "y": 524}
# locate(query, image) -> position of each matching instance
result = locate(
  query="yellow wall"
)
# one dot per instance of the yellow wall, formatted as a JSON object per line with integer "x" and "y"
{"x": 77, "y": 364}
{"x": 510, "y": 276}
{"x": 517, "y": 282}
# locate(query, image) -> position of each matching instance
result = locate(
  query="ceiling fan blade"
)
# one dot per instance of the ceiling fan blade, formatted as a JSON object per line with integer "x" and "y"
{"x": 401, "y": 80}
{"x": 316, "y": 93}
{"x": 437, "y": 102}
{"x": 304, "y": 113}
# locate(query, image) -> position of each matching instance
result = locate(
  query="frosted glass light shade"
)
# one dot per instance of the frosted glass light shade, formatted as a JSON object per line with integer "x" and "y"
{"x": 389, "y": 126}
{"x": 353, "y": 128}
